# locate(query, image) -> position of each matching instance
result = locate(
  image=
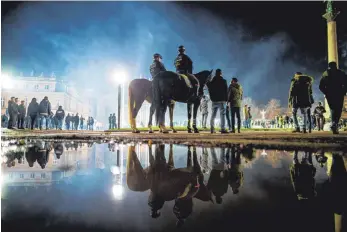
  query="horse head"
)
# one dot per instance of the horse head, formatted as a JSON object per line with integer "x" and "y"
{"x": 204, "y": 76}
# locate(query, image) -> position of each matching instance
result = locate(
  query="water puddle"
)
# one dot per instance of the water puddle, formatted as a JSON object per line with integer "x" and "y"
{"x": 97, "y": 186}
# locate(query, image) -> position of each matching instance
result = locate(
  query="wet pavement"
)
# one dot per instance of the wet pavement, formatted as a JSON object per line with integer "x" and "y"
{"x": 79, "y": 186}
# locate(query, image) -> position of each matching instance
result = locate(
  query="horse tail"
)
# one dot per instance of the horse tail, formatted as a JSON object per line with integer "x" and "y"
{"x": 156, "y": 98}
{"x": 131, "y": 103}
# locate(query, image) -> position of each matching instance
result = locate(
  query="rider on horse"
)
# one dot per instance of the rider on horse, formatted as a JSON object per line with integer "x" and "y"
{"x": 184, "y": 65}
{"x": 157, "y": 66}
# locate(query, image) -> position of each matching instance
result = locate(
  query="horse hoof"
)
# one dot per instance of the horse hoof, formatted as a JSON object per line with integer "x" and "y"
{"x": 189, "y": 131}
{"x": 165, "y": 132}
{"x": 151, "y": 132}
{"x": 174, "y": 131}
{"x": 196, "y": 132}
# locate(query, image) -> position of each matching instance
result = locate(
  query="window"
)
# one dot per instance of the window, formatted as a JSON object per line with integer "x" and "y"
{"x": 32, "y": 175}
{"x": 43, "y": 175}
{"x": 46, "y": 86}
{"x": 2, "y": 102}
{"x": 21, "y": 176}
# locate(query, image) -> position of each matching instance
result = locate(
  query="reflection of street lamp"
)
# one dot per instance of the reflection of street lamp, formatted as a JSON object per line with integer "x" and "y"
{"x": 120, "y": 76}
{"x": 264, "y": 153}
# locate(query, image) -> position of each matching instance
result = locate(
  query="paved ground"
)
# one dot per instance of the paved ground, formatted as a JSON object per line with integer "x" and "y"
{"x": 268, "y": 138}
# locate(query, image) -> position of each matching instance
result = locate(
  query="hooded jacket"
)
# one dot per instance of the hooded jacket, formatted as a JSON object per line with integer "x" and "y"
{"x": 45, "y": 107}
{"x": 60, "y": 113}
{"x": 300, "y": 92}
{"x": 33, "y": 108}
{"x": 235, "y": 94}
{"x": 333, "y": 83}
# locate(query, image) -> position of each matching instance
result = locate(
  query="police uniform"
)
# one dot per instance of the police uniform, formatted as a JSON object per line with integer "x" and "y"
{"x": 157, "y": 66}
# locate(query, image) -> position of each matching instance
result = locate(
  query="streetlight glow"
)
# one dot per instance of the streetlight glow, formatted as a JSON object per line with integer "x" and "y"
{"x": 120, "y": 76}
{"x": 6, "y": 81}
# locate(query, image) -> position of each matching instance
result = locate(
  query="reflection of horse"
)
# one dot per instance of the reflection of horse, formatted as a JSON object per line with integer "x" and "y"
{"x": 139, "y": 91}
{"x": 165, "y": 182}
{"x": 172, "y": 86}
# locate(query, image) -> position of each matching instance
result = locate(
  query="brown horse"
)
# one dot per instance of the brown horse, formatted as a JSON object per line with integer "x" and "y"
{"x": 139, "y": 91}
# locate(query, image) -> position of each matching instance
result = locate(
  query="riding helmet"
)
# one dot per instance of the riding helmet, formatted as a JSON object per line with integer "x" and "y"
{"x": 157, "y": 55}
{"x": 181, "y": 48}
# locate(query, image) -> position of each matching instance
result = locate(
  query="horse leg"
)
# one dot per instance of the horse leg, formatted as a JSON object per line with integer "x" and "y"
{"x": 171, "y": 164}
{"x": 195, "y": 112}
{"x": 162, "y": 115}
{"x": 189, "y": 158}
{"x": 171, "y": 110}
{"x": 189, "y": 110}
{"x": 137, "y": 107}
{"x": 136, "y": 176}
{"x": 151, "y": 112}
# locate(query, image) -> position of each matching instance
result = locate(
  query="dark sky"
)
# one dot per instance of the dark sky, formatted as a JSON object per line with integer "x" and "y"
{"x": 81, "y": 39}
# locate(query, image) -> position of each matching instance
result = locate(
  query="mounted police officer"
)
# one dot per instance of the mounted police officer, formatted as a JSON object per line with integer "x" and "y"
{"x": 184, "y": 65}
{"x": 157, "y": 66}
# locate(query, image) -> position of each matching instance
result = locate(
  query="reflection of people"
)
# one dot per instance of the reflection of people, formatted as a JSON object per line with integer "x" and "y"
{"x": 58, "y": 149}
{"x": 235, "y": 173}
{"x": 182, "y": 210}
{"x": 302, "y": 175}
{"x": 218, "y": 181}
{"x": 321, "y": 159}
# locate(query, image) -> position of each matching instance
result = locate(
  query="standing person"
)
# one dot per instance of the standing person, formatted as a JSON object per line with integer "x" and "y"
{"x": 91, "y": 123}
{"x": 204, "y": 110}
{"x": 235, "y": 94}
{"x": 21, "y": 115}
{"x": 82, "y": 122}
{"x": 245, "y": 116}
{"x": 218, "y": 90}
{"x": 300, "y": 97}
{"x": 15, "y": 111}
{"x": 33, "y": 111}
{"x": 114, "y": 121}
{"x": 319, "y": 114}
{"x": 67, "y": 121}
{"x": 44, "y": 111}
{"x": 88, "y": 122}
{"x": 77, "y": 121}
{"x": 72, "y": 121}
{"x": 157, "y": 66}
{"x": 249, "y": 115}
{"x": 334, "y": 86}
{"x": 110, "y": 122}
{"x": 60, "y": 115}
{"x": 9, "y": 109}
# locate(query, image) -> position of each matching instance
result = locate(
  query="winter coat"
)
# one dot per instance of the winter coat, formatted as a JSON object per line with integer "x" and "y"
{"x": 9, "y": 108}
{"x": 22, "y": 110}
{"x": 33, "y": 108}
{"x": 14, "y": 108}
{"x": 218, "y": 89}
{"x": 45, "y": 107}
{"x": 183, "y": 64}
{"x": 235, "y": 94}
{"x": 60, "y": 113}
{"x": 300, "y": 92}
{"x": 333, "y": 83}
{"x": 319, "y": 111}
{"x": 77, "y": 119}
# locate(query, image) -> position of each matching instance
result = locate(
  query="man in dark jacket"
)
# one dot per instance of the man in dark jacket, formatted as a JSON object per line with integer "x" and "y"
{"x": 77, "y": 121}
{"x": 44, "y": 111}
{"x": 235, "y": 94}
{"x": 82, "y": 122}
{"x": 21, "y": 115}
{"x": 157, "y": 66}
{"x": 334, "y": 86}
{"x": 114, "y": 121}
{"x": 218, "y": 93}
{"x": 184, "y": 65}
{"x": 67, "y": 121}
{"x": 59, "y": 115}
{"x": 319, "y": 114}
{"x": 15, "y": 113}
{"x": 33, "y": 111}
{"x": 10, "y": 113}
{"x": 300, "y": 97}
{"x": 110, "y": 122}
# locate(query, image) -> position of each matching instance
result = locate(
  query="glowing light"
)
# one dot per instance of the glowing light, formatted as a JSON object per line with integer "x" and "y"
{"x": 115, "y": 170}
{"x": 120, "y": 76}
{"x": 117, "y": 191}
{"x": 7, "y": 82}
{"x": 264, "y": 153}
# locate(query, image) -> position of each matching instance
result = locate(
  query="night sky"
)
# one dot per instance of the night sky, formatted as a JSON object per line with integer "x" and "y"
{"x": 299, "y": 23}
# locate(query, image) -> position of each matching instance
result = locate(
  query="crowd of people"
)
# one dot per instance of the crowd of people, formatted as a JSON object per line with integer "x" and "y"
{"x": 40, "y": 115}
{"x": 228, "y": 101}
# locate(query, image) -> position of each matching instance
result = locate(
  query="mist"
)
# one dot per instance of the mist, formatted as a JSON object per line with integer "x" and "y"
{"x": 85, "y": 42}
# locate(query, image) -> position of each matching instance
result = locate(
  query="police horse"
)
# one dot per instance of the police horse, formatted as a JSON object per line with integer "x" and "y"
{"x": 168, "y": 86}
{"x": 139, "y": 91}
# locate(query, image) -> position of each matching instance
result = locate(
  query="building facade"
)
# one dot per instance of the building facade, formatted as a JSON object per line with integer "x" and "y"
{"x": 58, "y": 93}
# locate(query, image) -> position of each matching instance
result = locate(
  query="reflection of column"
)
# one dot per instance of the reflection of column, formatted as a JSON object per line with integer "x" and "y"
{"x": 123, "y": 105}
{"x": 330, "y": 16}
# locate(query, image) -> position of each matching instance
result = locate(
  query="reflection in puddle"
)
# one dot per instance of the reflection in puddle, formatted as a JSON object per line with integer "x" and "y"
{"x": 110, "y": 186}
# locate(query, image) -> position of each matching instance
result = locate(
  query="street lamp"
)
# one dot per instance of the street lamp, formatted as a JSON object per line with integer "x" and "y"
{"x": 120, "y": 77}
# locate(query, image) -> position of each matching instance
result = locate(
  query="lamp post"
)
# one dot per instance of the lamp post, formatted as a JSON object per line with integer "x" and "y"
{"x": 120, "y": 76}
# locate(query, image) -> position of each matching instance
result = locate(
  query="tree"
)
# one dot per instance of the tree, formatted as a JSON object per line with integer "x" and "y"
{"x": 273, "y": 108}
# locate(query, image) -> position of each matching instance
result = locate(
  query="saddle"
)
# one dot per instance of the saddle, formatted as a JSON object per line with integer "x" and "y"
{"x": 186, "y": 79}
